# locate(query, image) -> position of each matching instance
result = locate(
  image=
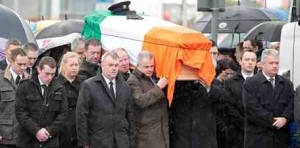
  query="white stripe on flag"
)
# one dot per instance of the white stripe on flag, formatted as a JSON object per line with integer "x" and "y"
{"x": 133, "y": 47}
{"x": 117, "y": 31}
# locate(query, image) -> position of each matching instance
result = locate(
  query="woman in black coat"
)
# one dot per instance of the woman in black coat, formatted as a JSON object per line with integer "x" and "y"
{"x": 69, "y": 78}
{"x": 224, "y": 70}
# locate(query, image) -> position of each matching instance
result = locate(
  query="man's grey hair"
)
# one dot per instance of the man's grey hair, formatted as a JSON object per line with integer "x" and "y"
{"x": 111, "y": 54}
{"x": 269, "y": 52}
{"x": 144, "y": 55}
{"x": 117, "y": 50}
{"x": 78, "y": 43}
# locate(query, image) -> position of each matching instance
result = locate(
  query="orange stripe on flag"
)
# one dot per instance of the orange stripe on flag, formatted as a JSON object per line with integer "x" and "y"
{"x": 174, "y": 47}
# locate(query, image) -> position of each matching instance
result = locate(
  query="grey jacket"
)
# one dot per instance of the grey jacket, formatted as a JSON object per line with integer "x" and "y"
{"x": 8, "y": 122}
{"x": 151, "y": 109}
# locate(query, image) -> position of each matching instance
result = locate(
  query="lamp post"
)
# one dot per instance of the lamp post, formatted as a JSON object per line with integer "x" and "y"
{"x": 215, "y": 21}
{"x": 214, "y": 6}
{"x": 184, "y": 13}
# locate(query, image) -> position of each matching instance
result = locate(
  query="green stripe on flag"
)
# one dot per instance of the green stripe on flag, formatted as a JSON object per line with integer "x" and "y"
{"x": 91, "y": 28}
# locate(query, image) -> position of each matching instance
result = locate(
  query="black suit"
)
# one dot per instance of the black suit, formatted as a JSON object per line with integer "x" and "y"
{"x": 3, "y": 64}
{"x": 262, "y": 104}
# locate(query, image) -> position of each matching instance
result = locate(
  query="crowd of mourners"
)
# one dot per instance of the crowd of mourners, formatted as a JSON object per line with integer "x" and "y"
{"x": 85, "y": 97}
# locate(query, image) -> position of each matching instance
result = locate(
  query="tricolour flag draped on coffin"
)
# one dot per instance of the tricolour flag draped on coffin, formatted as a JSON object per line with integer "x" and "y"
{"x": 174, "y": 47}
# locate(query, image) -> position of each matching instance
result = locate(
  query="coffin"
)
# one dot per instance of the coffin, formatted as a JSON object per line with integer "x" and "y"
{"x": 180, "y": 53}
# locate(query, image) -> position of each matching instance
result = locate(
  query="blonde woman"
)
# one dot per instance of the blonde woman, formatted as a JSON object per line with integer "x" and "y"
{"x": 69, "y": 78}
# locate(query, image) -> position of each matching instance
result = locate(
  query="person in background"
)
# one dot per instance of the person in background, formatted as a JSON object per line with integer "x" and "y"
{"x": 255, "y": 45}
{"x": 214, "y": 52}
{"x": 252, "y": 44}
{"x": 104, "y": 114}
{"x": 68, "y": 77}
{"x": 90, "y": 65}
{"x": 235, "y": 107}
{"x": 124, "y": 64}
{"x": 226, "y": 53}
{"x": 259, "y": 65}
{"x": 41, "y": 107}
{"x": 225, "y": 69}
{"x": 32, "y": 55}
{"x": 9, "y": 46}
{"x": 150, "y": 103}
{"x": 275, "y": 45}
{"x": 9, "y": 80}
{"x": 78, "y": 46}
{"x": 238, "y": 51}
{"x": 268, "y": 101}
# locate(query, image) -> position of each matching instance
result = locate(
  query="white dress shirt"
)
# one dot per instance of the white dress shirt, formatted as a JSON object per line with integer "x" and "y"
{"x": 268, "y": 78}
{"x": 107, "y": 83}
{"x": 245, "y": 76}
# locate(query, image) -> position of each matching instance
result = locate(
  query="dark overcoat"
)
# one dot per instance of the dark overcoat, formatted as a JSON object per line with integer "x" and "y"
{"x": 33, "y": 112}
{"x": 3, "y": 64}
{"x": 103, "y": 121}
{"x": 262, "y": 104}
{"x": 68, "y": 136}
{"x": 151, "y": 109}
{"x": 193, "y": 116}
{"x": 221, "y": 113}
{"x": 297, "y": 111}
{"x": 235, "y": 111}
{"x": 88, "y": 69}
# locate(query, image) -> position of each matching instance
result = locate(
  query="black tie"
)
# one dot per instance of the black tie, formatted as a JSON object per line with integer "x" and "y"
{"x": 272, "y": 82}
{"x": 18, "y": 80}
{"x": 111, "y": 88}
{"x": 28, "y": 70}
{"x": 45, "y": 88}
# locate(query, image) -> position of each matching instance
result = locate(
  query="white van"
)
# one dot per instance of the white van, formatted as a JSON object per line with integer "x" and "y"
{"x": 290, "y": 51}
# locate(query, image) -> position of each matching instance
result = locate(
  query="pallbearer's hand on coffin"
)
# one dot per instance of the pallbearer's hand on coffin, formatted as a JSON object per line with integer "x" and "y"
{"x": 162, "y": 82}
